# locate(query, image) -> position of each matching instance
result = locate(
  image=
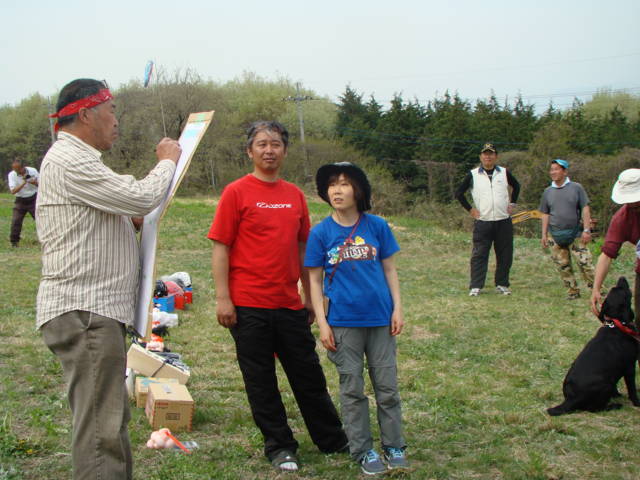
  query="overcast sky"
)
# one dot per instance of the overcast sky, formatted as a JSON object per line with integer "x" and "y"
{"x": 545, "y": 50}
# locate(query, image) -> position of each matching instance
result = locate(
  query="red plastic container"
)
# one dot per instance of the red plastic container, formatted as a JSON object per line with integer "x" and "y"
{"x": 179, "y": 302}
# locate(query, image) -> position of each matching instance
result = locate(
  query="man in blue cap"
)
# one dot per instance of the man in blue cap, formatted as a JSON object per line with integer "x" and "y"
{"x": 566, "y": 226}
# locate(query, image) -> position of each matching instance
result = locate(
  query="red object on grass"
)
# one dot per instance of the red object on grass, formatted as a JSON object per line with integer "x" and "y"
{"x": 178, "y": 442}
{"x": 179, "y": 302}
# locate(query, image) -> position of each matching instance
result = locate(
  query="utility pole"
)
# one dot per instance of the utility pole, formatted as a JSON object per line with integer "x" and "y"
{"x": 51, "y": 129}
{"x": 299, "y": 99}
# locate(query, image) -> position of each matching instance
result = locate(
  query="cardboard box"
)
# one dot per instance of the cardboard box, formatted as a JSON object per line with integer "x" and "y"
{"x": 150, "y": 364}
{"x": 169, "y": 405}
{"x": 142, "y": 388}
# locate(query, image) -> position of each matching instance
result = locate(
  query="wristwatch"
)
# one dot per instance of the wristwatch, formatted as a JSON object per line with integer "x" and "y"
{"x": 587, "y": 230}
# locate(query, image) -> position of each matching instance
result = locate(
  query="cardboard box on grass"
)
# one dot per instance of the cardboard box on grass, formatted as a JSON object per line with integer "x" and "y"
{"x": 150, "y": 364}
{"x": 169, "y": 405}
{"x": 142, "y": 388}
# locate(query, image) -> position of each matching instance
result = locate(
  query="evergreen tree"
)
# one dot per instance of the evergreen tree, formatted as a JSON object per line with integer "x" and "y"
{"x": 356, "y": 120}
{"x": 373, "y": 112}
{"x": 397, "y": 137}
{"x": 615, "y": 132}
{"x": 524, "y": 124}
{"x": 448, "y": 133}
{"x": 491, "y": 122}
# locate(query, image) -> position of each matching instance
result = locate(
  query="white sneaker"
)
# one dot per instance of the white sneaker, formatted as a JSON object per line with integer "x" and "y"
{"x": 503, "y": 290}
{"x": 474, "y": 292}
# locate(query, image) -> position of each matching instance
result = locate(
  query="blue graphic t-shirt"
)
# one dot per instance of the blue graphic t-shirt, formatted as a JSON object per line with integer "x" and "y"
{"x": 359, "y": 294}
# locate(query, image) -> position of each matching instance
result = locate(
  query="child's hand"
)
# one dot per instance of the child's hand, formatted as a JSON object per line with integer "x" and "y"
{"x": 396, "y": 323}
{"x": 326, "y": 337}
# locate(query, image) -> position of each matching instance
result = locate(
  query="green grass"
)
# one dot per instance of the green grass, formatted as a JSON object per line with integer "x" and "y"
{"x": 476, "y": 374}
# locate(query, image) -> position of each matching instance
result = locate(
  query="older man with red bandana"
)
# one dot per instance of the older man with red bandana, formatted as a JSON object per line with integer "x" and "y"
{"x": 90, "y": 264}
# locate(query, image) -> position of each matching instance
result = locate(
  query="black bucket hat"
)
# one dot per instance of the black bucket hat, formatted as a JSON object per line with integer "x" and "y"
{"x": 354, "y": 173}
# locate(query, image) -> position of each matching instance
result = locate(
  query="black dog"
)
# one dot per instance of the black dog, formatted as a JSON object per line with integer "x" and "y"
{"x": 609, "y": 356}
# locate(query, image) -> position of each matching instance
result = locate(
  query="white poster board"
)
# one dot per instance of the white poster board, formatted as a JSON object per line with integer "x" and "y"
{"x": 196, "y": 126}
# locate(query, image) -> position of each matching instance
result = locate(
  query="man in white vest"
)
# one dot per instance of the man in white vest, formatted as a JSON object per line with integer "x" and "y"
{"x": 493, "y": 205}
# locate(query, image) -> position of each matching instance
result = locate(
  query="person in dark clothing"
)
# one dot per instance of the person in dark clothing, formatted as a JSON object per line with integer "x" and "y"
{"x": 493, "y": 205}
{"x": 23, "y": 183}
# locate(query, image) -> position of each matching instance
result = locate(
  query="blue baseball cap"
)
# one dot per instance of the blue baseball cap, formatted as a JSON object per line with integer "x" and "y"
{"x": 563, "y": 163}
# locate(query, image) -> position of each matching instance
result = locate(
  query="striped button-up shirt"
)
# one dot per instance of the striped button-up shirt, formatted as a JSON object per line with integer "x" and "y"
{"x": 90, "y": 256}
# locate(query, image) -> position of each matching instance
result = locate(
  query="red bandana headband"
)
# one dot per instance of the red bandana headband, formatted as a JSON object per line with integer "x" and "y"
{"x": 104, "y": 95}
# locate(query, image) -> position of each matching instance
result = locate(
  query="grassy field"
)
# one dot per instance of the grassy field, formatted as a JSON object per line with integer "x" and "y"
{"x": 476, "y": 374}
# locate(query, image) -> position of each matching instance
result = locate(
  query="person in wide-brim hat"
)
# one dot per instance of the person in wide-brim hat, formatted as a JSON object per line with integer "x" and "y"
{"x": 623, "y": 227}
{"x": 350, "y": 260}
{"x": 627, "y": 188}
{"x": 355, "y": 173}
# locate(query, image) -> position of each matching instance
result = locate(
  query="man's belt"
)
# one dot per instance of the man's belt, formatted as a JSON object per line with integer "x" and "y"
{"x": 30, "y": 199}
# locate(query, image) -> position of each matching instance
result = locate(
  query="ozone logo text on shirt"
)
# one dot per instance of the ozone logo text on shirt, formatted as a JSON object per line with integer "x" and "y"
{"x": 272, "y": 205}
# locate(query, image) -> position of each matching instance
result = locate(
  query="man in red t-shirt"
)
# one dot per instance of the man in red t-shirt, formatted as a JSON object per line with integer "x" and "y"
{"x": 260, "y": 232}
{"x": 624, "y": 227}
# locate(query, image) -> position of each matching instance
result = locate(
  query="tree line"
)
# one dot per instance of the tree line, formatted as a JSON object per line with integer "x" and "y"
{"x": 409, "y": 137}
{"x": 429, "y": 147}
{"x": 415, "y": 152}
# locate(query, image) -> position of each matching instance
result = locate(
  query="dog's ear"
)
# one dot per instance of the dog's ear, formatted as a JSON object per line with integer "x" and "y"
{"x": 622, "y": 283}
{"x": 603, "y": 308}
{"x": 630, "y": 316}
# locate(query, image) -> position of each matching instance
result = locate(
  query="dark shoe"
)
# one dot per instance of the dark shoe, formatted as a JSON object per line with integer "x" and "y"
{"x": 285, "y": 461}
{"x": 395, "y": 458}
{"x": 371, "y": 463}
{"x": 342, "y": 449}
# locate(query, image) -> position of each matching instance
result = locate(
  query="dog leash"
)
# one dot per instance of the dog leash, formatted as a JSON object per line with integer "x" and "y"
{"x": 632, "y": 333}
{"x": 623, "y": 328}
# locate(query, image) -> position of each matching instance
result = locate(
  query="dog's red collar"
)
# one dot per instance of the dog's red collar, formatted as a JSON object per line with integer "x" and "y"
{"x": 623, "y": 328}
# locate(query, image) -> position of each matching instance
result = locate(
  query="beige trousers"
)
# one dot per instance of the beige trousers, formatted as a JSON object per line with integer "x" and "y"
{"x": 92, "y": 351}
{"x": 561, "y": 256}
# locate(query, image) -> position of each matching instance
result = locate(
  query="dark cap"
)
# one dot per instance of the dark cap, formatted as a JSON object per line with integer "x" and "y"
{"x": 489, "y": 147}
{"x": 355, "y": 173}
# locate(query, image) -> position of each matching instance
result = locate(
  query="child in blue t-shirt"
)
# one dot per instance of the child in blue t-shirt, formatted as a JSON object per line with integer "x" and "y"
{"x": 355, "y": 252}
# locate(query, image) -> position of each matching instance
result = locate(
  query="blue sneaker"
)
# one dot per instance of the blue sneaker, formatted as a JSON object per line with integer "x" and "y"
{"x": 371, "y": 464}
{"x": 395, "y": 458}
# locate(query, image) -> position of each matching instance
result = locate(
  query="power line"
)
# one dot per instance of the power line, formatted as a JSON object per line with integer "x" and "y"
{"x": 542, "y": 95}
{"x": 503, "y": 68}
{"x": 415, "y": 139}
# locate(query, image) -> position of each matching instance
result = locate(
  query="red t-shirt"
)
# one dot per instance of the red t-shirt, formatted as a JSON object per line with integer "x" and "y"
{"x": 262, "y": 223}
{"x": 624, "y": 227}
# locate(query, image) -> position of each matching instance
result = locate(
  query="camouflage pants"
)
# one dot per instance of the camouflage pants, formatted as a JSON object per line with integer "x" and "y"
{"x": 561, "y": 256}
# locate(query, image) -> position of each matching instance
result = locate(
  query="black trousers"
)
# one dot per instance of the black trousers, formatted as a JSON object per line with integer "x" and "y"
{"x": 500, "y": 234}
{"x": 636, "y": 300}
{"x": 21, "y": 207}
{"x": 259, "y": 334}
